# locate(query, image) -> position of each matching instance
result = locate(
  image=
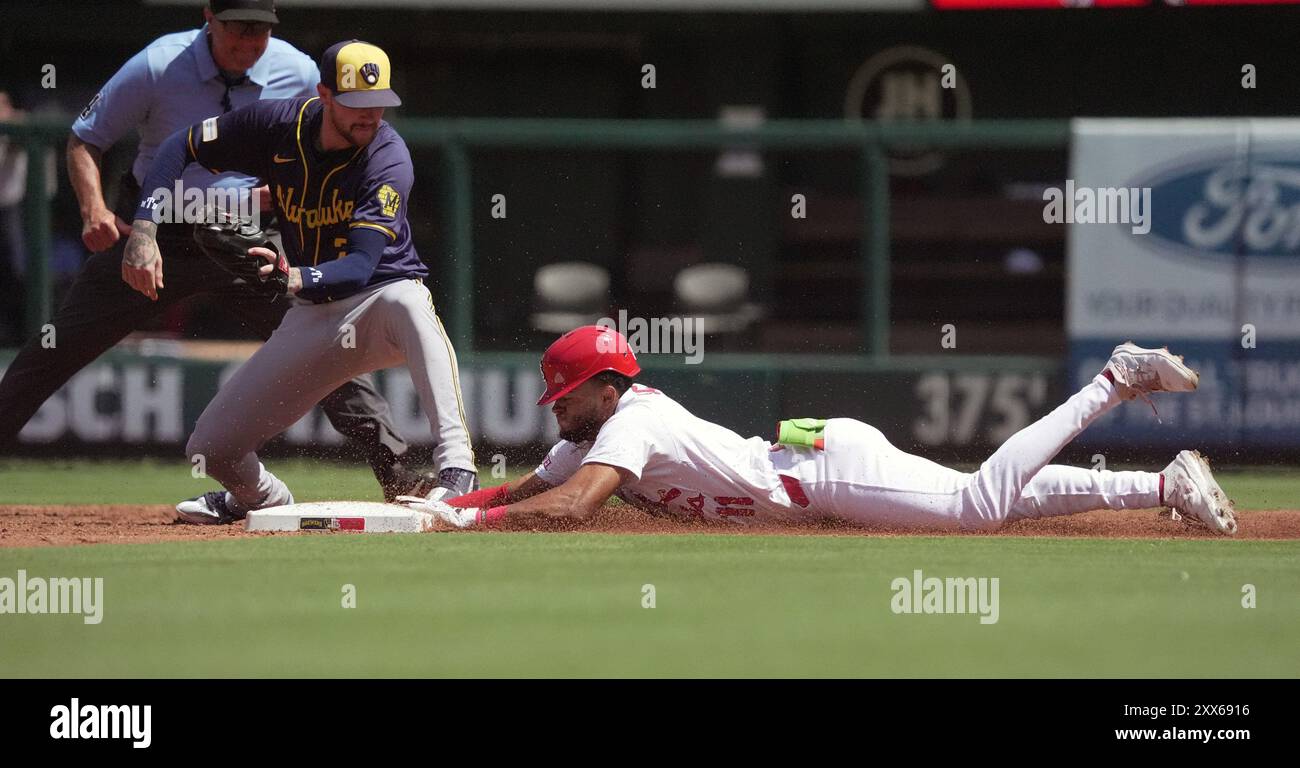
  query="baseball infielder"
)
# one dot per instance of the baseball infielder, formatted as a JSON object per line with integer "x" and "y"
{"x": 621, "y": 438}
{"x": 178, "y": 79}
{"x": 341, "y": 181}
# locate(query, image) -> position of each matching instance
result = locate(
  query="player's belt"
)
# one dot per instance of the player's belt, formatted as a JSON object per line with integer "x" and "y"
{"x": 794, "y": 489}
{"x": 386, "y": 281}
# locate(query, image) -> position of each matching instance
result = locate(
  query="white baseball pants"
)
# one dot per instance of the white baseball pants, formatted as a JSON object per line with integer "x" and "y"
{"x": 861, "y": 477}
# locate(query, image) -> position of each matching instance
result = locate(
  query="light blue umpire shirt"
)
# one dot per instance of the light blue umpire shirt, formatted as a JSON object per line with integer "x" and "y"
{"x": 174, "y": 83}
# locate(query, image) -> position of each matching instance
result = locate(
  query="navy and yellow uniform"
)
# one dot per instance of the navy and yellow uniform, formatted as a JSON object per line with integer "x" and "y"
{"x": 343, "y": 217}
{"x": 342, "y": 214}
{"x": 162, "y": 89}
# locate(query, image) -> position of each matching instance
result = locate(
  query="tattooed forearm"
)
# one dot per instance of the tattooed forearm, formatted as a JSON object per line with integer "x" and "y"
{"x": 140, "y": 247}
{"x": 145, "y": 227}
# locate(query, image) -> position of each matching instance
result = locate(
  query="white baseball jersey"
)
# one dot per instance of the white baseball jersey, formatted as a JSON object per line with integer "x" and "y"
{"x": 682, "y": 464}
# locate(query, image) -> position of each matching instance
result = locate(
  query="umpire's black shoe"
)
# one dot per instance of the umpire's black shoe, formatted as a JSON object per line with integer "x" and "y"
{"x": 209, "y": 509}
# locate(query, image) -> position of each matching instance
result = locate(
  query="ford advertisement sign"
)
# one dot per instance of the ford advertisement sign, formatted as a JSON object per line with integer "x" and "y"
{"x": 1215, "y": 275}
{"x": 1228, "y": 206}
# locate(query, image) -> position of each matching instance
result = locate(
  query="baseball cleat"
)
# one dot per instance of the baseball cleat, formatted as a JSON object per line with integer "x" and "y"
{"x": 1138, "y": 371}
{"x": 458, "y": 481}
{"x": 403, "y": 482}
{"x": 1195, "y": 497}
{"x": 447, "y": 484}
{"x": 453, "y": 482}
{"x": 212, "y": 508}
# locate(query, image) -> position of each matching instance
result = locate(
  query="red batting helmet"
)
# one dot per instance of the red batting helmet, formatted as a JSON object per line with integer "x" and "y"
{"x": 582, "y": 353}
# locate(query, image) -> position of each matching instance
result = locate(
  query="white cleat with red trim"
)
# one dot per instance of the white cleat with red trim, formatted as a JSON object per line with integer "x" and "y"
{"x": 1195, "y": 497}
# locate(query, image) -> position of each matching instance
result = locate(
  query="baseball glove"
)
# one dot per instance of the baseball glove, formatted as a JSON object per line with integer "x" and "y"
{"x": 227, "y": 244}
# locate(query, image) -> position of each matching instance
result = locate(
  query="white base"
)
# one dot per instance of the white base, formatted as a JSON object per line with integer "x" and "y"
{"x": 358, "y": 516}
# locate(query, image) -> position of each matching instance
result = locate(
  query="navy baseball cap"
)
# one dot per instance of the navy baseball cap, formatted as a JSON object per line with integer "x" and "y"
{"x": 245, "y": 10}
{"x": 358, "y": 73}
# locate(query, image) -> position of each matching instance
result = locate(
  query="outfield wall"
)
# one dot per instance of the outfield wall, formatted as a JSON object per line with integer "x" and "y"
{"x": 951, "y": 409}
{"x": 961, "y": 407}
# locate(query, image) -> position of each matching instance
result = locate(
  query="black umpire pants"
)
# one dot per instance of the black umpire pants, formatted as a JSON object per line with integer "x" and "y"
{"x": 100, "y": 310}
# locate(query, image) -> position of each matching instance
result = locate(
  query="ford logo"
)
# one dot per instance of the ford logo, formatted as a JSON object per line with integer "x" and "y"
{"x": 1219, "y": 207}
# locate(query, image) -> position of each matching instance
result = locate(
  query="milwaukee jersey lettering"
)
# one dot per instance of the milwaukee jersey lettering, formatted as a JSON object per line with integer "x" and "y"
{"x": 319, "y": 197}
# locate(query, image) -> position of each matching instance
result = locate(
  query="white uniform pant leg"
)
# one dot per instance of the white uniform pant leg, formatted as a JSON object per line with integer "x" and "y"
{"x": 862, "y": 478}
{"x": 997, "y": 485}
{"x": 1060, "y": 490}
{"x": 316, "y": 348}
{"x": 419, "y": 337}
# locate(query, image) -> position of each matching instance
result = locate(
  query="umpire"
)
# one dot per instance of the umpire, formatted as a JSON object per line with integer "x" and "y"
{"x": 177, "y": 80}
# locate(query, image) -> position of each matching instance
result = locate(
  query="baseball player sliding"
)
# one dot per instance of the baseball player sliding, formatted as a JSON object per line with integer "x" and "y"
{"x": 340, "y": 178}
{"x": 621, "y": 438}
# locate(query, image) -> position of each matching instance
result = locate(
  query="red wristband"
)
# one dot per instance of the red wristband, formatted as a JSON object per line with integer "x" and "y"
{"x": 483, "y": 497}
{"x": 490, "y": 516}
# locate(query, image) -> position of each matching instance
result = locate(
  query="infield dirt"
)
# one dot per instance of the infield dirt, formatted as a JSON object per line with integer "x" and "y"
{"x": 48, "y": 526}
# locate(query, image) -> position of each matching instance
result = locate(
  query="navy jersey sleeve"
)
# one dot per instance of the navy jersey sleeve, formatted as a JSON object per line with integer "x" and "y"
{"x": 239, "y": 141}
{"x": 385, "y": 192}
{"x": 349, "y": 274}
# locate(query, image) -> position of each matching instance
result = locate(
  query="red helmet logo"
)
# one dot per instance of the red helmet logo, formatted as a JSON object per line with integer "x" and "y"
{"x": 582, "y": 353}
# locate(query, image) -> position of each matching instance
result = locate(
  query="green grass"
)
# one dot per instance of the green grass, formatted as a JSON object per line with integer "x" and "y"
{"x": 571, "y": 605}
{"x": 1262, "y": 489}
{"x": 150, "y": 481}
